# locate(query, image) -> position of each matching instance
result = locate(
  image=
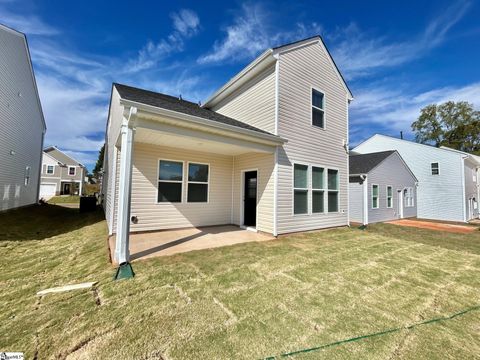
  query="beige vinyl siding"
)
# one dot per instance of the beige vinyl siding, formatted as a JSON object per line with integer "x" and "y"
{"x": 158, "y": 216}
{"x": 264, "y": 164}
{"x": 21, "y": 124}
{"x": 109, "y": 163}
{"x": 253, "y": 103}
{"x": 300, "y": 70}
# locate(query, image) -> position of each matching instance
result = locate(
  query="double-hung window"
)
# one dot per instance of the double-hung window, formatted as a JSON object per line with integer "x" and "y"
{"x": 318, "y": 190}
{"x": 71, "y": 170}
{"x": 197, "y": 182}
{"x": 374, "y": 196}
{"x": 435, "y": 168}
{"x": 300, "y": 189}
{"x": 170, "y": 181}
{"x": 318, "y": 108}
{"x": 389, "y": 197}
{"x": 50, "y": 169}
{"x": 332, "y": 190}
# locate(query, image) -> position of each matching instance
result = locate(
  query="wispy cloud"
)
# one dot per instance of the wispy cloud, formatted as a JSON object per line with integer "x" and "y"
{"x": 250, "y": 33}
{"x": 27, "y": 24}
{"x": 394, "y": 110}
{"x": 186, "y": 24}
{"x": 359, "y": 54}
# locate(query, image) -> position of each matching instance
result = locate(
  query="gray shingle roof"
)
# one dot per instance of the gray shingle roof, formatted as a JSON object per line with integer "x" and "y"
{"x": 364, "y": 163}
{"x": 175, "y": 104}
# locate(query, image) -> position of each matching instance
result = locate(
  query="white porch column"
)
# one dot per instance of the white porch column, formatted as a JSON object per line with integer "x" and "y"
{"x": 124, "y": 189}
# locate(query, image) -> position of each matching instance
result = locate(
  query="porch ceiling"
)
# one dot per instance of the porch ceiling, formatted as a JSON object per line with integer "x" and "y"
{"x": 199, "y": 141}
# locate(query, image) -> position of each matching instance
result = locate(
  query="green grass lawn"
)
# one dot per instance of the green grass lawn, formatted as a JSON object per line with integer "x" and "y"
{"x": 247, "y": 301}
{"x": 72, "y": 199}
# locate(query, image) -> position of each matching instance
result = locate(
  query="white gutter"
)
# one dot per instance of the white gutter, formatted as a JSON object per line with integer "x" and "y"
{"x": 272, "y": 139}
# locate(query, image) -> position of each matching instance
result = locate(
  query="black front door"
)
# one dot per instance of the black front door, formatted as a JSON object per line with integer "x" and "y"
{"x": 250, "y": 202}
{"x": 66, "y": 189}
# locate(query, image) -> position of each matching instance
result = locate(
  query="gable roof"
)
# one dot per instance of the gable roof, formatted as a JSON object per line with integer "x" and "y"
{"x": 60, "y": 156}
{"x": 32, "y": 72}
{"x": 364, "y": 163}
{"x": 179, "y": 105}
{"x": 410, "y": 142}
{"x": 267, "y": 58}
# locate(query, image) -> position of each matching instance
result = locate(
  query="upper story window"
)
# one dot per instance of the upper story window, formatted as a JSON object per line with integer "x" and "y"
{"x": 197, "y": 190}
{"x": 318, "y": 108}
{"x": 71, "y": 170}
{"x": 435, "y": 168}
{"x": 50, "y": 169}
{"x": 170, "y": 181}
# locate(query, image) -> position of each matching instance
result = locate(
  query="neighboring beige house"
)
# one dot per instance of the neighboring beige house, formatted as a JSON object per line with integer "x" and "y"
{"x": 21, "y": 122}
{"x": 268, "y": 151}
{"x": 61, "y": 174}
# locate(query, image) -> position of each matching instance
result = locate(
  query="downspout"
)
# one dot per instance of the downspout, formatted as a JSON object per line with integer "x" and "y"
{"x": 41, "y": 167}
{"x": 275, "y": 168}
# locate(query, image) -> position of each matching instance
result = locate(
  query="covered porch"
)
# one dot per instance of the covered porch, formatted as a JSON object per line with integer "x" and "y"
{"x": 187, "y": 183}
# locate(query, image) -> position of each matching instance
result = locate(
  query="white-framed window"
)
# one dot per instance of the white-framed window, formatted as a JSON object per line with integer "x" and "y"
{"x": 72, "y": 170}
{"x": 435, "y": 168}
{"x": 300, "y": 189}
{"x": 27, "y": 175}
{"x": 198, "y": 182}
{"x": 170, "y": 181}
{"x": 332, "y": 190}
{"x": 409, "y": 197}
{"x": 50, "y": 169}
{"x": 389, "y": 197}
{"x": 318, "y": 189}
{"x": 318, "y": 108}
{"x": 374, "y": 196}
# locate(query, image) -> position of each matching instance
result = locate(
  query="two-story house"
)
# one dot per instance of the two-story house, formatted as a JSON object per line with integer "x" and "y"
{"x": 61, "y": 174}
{"x": 448, "y": 183}
{"x": 21, "y": 122}
{"x": 267, "y": 151}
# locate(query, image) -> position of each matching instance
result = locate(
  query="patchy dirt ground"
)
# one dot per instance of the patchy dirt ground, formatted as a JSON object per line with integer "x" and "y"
{"x": 245, "y": 301}
{"x": 453, "y": 228}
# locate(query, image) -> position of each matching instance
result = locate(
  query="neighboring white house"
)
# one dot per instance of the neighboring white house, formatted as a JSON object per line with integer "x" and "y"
{"x": 382, "y": 188}
{"x": 21, "y": 122}
{"x": 61, "y": 174}
{"x": 267, "y": 151}
{"x": 447, "y": 179}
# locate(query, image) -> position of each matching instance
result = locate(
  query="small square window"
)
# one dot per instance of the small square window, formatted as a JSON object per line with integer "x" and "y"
{"x": 435, "y": 168}
{"x": 50, "y": 169}
{"x": 71, "y": 170}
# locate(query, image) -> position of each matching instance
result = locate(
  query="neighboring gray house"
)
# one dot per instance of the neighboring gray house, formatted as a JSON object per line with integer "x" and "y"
{"x": 21, "y": 122}
{"x": 61, "y": 174}
{"x": 382, "y": 188}
{"x": 267, "y": 151}
{"x": 448, "y": 179}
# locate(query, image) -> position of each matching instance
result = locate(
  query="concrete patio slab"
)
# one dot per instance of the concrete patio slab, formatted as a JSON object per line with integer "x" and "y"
{"x": 169, "y": 242}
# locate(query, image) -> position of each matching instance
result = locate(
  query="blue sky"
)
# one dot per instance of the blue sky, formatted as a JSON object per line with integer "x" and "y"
{"x": 396, "y": 56}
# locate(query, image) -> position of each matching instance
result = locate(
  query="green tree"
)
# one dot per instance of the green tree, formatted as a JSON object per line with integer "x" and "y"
{"x": 99, "y": 164}
{"x": 452, "y": 124}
